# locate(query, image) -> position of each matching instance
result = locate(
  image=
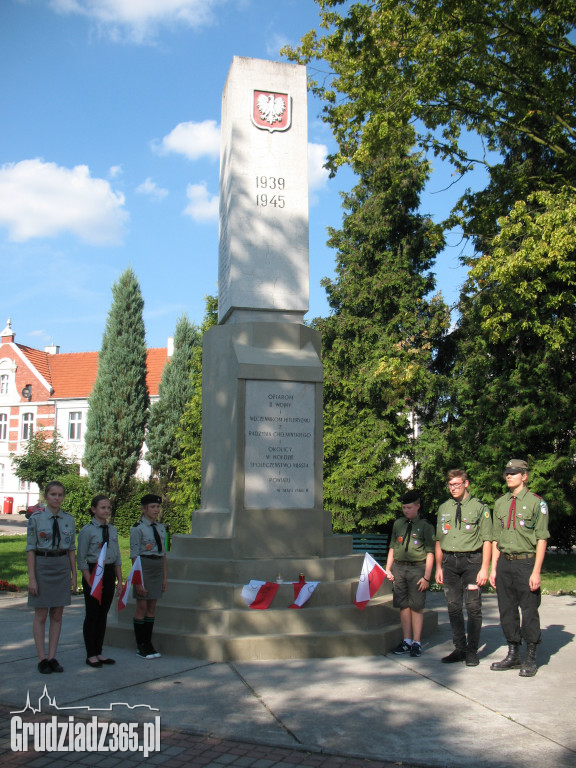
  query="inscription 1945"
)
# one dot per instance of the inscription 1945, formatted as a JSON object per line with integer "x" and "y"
{"x": 272, "y": 185}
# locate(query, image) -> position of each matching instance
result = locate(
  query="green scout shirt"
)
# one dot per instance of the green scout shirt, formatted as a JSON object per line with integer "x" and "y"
{"x": 90, "y": 544}
{"x": 531, "y": 523}
{"x": 421, "y": 540}
{"x": 142, "y": 541}
{"x": 40, "y": 526}
{"x": 474, "y": 530}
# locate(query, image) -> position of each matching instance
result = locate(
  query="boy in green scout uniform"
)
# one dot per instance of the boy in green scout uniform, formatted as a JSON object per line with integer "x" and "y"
{"x": 409, "y": 566}
{"x": 520, "y": 536}
{"x": 463, "y": 550}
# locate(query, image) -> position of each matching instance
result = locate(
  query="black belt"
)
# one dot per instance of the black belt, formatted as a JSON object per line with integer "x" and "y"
{"x": 51, "y": 552}
{"x": 521, "y": 556}
{"x": 152, "y": 557}
{"x": 463, "y": 554}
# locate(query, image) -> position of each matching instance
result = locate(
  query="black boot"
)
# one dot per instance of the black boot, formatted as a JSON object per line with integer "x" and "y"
{"x": 529, "y": 666}
{"x": 512, "y": 661}
{"x": 140, "y": 635}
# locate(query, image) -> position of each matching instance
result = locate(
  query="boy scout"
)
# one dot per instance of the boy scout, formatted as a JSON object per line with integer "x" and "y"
{"x": 147, "y": 541}
{"x": 520, "y": 536}
{"x": 463, "y": 549}
{"x": 409, "y": 566}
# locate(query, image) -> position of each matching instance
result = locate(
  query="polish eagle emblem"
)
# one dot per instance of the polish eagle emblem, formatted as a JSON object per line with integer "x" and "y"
{"x": 271, "y": 108}
{"x": 272, "y": 111}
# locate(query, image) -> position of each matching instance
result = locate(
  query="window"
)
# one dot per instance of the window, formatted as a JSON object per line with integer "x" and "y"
{"x": 23, "y": 485}
{"x": 4, "y": 379}
{"x": 27, "y": 425}
{"x": 75, "y": 425}
{"x": 3, "y": 426}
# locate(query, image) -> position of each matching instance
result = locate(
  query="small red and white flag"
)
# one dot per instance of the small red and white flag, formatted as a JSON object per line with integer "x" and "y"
{"x": 134, "y": 577}
{"x": 371, "y": 579}
{"x": 302, "y": 592}
{"x": 259, "y": 594}
{"x": 97, "y": 574}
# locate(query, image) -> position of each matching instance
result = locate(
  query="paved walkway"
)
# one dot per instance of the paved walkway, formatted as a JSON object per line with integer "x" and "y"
{"x": 373, "y": 712}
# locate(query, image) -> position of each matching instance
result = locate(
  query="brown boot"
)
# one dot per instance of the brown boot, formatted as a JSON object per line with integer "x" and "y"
{"x": 512, "y": 661}
{"x": 529, "y": 667}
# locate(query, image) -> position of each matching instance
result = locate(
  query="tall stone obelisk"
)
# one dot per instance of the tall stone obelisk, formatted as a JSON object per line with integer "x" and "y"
{"x": 262, "y": 514}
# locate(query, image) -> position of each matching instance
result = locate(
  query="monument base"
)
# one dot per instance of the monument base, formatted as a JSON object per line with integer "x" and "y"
{"x": 203, "y": 615}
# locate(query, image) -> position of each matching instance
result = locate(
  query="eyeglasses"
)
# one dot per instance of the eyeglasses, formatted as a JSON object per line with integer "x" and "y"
{"x": 455, "y": 485}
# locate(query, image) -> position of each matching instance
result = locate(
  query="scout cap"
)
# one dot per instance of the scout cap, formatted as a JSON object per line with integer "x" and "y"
{"x": 150, "y": 498}
{"x": 412, "y": 497}
{"x": 516, "y": 465}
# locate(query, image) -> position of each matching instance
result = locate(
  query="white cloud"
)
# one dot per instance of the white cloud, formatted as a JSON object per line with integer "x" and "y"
{"x": 317, "y": 174}
{"x": 193, "y": 140}
{"x": 139, "y": 20}
{"x": 203, "y": 206}
{"x": 39, "y": 199}
{"x": 115, "y": 171}
{"x": 150, "y": 188}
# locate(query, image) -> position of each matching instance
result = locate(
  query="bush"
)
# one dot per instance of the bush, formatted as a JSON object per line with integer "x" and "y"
{"x": 562, "y": 529}
{"x": 77, "y": 499}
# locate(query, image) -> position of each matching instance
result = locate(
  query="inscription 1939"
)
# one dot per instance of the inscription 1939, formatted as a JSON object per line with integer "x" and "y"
{"x": 272, "y": 184}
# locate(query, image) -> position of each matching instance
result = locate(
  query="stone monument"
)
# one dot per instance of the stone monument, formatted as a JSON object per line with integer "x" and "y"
{"x": 262, "y": 514}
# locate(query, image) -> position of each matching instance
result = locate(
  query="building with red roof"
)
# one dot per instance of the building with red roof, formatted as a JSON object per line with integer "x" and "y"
{"x": 48, "y": 390}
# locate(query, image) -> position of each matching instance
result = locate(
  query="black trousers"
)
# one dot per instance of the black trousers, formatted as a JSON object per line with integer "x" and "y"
{"x": 460, "y": 572}
{"x": 515, "y": 596}
{"x": 94, "y": 627}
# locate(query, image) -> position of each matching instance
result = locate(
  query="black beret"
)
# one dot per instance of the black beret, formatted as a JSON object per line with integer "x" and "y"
{"x": 150, "y": 498}
{"x": 412, "y": 497}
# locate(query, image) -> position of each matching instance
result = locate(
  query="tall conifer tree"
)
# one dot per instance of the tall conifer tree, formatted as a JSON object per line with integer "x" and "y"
{"x": 379, "y": 343}
{"x": 175, "y": 391}
{"x": 119, "y": 401}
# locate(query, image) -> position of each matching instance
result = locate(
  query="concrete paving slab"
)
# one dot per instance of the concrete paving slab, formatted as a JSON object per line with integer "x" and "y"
{"x": 388, "y": 708}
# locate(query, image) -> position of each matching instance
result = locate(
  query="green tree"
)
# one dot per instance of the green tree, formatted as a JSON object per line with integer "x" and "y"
{"x": 379, "y": 343}
{"x": 185, "y": 489}
{"x": 119, "y": 401}
{"x": 175, "y": 391}
{"x": 43, "y": 459}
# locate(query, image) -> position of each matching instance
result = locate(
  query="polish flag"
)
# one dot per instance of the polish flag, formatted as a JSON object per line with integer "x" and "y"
{"x": 259, "y": 594}
{"x": 371, "y": 579}
{"x": 134, "y": 577}
{"x": 97, "y": 574}
{"x": 302, "y": 592}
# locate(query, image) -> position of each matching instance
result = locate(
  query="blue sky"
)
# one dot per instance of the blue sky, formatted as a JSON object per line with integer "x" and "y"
{"x": 109, "y": 158}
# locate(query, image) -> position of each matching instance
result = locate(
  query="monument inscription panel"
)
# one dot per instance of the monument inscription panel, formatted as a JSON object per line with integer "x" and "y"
{"x": 279, "y": 445}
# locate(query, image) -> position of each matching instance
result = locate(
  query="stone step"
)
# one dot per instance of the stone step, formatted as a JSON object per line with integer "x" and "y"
{"x": 244, "y": 621}
{"x": 188, "y": 545}
{"x": 223, "y": 647}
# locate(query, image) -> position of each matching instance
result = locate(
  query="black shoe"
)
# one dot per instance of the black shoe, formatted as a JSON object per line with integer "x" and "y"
{"x": 472, "y": 659}
{"x": 415, "y": 650}
{"x": 529, "y": 667}
{"x": 55, "y": 666}
{"x": 106, "y": 661}
{"x": 401, "y": 648}
{"x": 456, "y": 655}
{"x": 512, "y": 661}
{"x": 145, "y": 652}
{"x": 94, "y": 664}
{"x": 44, "y": 667}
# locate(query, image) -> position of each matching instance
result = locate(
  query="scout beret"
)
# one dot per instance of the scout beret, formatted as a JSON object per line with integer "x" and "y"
{"x": 516, "y": 465}
{"x": 150, "y": 498}
{"x": 412, "y": 497}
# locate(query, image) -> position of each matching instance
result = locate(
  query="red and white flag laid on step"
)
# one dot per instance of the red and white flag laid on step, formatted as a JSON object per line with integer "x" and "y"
{"x": 259, "y": 594}
{"x": 134, "y": 577}
{"x": 97, "y": 574}
{"x": 302, "y": 592}
{"x": 371, "y": 579}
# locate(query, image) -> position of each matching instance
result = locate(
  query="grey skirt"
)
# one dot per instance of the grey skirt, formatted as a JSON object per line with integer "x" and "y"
{"x": 53, "y": 576}
{"x": 153, "y": 573}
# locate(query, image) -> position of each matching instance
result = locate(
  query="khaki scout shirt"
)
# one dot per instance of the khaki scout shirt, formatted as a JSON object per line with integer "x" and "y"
{"x": 531, "y": 523}
{"x": 90, "y": 545}
{"x": 421, "y": 540}
{"x": 142, "y": 541}
{"x": 474, "y": 530}
{"x": 39, "y": 531}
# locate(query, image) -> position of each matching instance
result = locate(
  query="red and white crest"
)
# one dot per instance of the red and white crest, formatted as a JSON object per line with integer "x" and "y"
{"x": 272, "y": 111}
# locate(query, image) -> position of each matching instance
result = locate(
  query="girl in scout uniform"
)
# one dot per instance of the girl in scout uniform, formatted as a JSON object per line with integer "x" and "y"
{"x": 147, "y": 542}
{"x": 91, "y": 539}
{"x": 52, "y": 577}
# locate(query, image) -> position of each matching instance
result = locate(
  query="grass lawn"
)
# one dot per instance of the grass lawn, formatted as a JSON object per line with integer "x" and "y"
{"x": 558, "y": 573}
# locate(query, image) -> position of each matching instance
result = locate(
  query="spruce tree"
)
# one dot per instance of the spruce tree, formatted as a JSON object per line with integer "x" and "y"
{"x": 379, "y": 343}
{"x": 119, "y": 401}
{"x": 175, "y": 391}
